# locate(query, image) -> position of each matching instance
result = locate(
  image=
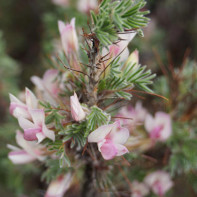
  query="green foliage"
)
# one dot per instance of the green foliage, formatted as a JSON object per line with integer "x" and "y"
{"x": 138, "y": 76}
{"x": 118, "y": 16}
{"x": 96, "y": 118}
{"x": 53, "y": 170}
{"x": 183, "y": 145}
{"x": 78, "y": 132}
{"x": 119, "y": 82}
{"x": 189, "y": 79}
{"x": 75, "y": 133}
{"x": 161, "y": 86}
{"x": 54, "y": 115}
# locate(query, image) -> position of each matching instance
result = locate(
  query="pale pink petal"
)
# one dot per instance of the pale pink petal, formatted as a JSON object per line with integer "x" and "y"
{"x": 18, "y": 108}
{"x": 61, "y": 26}
{"x": 48, "y": 133}
{"x": 19, "y": 111}
{"x": 61, "y": 2}
{"x": 58, "y": 187}
{"x": 119, "y": 135}
{"x": 76, "y": 110}
{"x": 68, "y": 37}
{"x": 159, "y": 127}
{"x": 13, "y": 99}
{"x": 139, "y": 189}
{"x": 159, "y": 181}
{"x": 25, "y": 124}
{"x": 87, "y": 5}
{"x": 72, "y": 22}
{"x": 30, "y": 147}
{"x": 31, "y": 100}
{"x": 108, "y": 150}
{"x": 50, "y": 81}
{"x": 140, "y": 112}
{"x": 40, "y": 136}
{"x": 100, "y": 133}
{"x": 121, "y": 150}
{"x": 13, "y": 148}
{"x": 38, "y": 116}
{"x": 20, "y": 157}
{"x": 37, "y": 81}
{"x": 149, "y": 123}
{"x": 30, "y": 134}
{"x": 21, "y": 141}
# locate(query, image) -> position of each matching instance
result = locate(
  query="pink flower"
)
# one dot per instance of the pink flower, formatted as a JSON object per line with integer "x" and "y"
{"x": 68, "y": 36}
{"x": 48, "y": 85}
{"x": 120, "y": 49}
{"x": 139, "y": 189}
{"x": 110, "y": 139}
{"x": 20, "y": 109}
{"x": 136, "y": 114}
{"x": 61, "y": 2}
{"x": 159, "y": 127}
{"x": 30, "y": 151}
{"x": 58, "y": 187}
{"x": 76, "y": 110}
{"x": 159, "y": 181}
{"x": 121, "y": 46}
{"x": 87, "y": 5}
{"x": 37, "y": 129}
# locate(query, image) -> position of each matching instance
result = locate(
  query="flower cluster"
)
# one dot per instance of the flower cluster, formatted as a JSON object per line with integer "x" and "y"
{"x": 159, "y": 127}
{"x": 73, "y": 105}
{"x": 159, "y": 182}
{"x": 82, "y": 5}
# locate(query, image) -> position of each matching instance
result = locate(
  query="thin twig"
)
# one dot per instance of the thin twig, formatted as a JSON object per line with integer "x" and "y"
{"x": 111, "y": 63}
{"x": 72, "y": 68}
{"x": 122, "y": 117}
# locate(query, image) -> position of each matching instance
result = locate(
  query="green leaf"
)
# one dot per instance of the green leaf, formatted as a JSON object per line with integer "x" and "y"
{"x": 117, "y": 16}
{"x": 138, "y": 76}
{"x": 96, "y": 118}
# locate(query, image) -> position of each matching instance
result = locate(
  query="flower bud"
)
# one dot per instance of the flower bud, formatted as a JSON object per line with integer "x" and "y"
{"x": 76, "y": 110}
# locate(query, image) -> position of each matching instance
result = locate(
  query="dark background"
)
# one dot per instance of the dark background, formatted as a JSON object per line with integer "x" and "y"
{"x": 28, "y": 27}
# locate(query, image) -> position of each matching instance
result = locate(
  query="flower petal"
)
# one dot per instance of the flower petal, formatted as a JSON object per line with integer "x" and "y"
{"x": 119, "y": 135}
{"x": 18, "y": 110}
{"x": 100, "y": 133}
{"x": 159, "y": 181}
{"x": 48, "y": 133}
{"x": 20, "y": 157}
{"x": 13, "y": 99}
{"x": 58, "y": 187}
{"x": 30, "y": 134}
{"x": 76, "y": 110}
{"x": 31, "y": 100}
{"x": 61, "y": 26}
{"x": 25, "y": 124}
{"x": 108, "y": 150}
{"x": 121, "y": 150}
{"x": 32, "y": 148}
{"x": 37, "y": 81}
{"x": 149, "y": 123}
{"x": 40, "y": 136}
{"x": 13, "y": 148}
{"x": 50, "y": 81}
{"x": 38, "y": 116}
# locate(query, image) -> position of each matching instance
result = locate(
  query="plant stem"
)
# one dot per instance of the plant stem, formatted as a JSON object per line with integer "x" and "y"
{"x": 88, "y": 189}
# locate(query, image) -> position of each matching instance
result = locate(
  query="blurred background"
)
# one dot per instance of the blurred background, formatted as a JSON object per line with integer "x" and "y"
{"x": 29, "y": 34}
